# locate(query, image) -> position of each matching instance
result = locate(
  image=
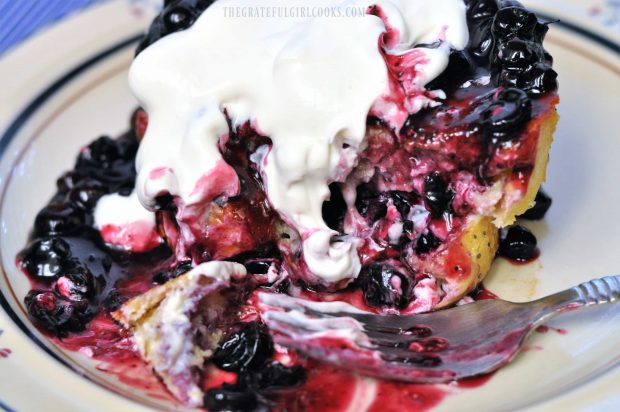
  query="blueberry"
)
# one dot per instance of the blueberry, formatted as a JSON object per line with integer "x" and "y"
{"x": 437, "y": 195}
{"x": 59, "y": 218}
{"x": 369, "y": 203}
{"x": 69, "y": 180}
{"x": 258, "y": 267}
{"x": 403, "y": 201}
{"x": 540, "y": 31}
{"x": 542, "y": 204}
{"x": 427, "y": 243}
{"x": 101, "y": 153}
{"x": 275, "y": 376}
{"x": 516, "y": 54}
{"x": 230, "y": 398}
{"x": 87, "y": 193}
{"x": 176, "y": 15}
{"x": 47, "y": 258}
{"x": 165, "y": 275}
{"x": 56, "y": 315}
{"x": 481, "y": 10}
{"x": 540, "y": 79}
{"x": 383, "y": 286}
{"x": 177, "y": 18}
{"x": 75, "y": 284}
{"x": 248, "y": 347}
{"x": 335, "y": 208}
{"x": 514, "y": 21}
{"x": 508, "y": 114}
{"x": 518, "y": 243}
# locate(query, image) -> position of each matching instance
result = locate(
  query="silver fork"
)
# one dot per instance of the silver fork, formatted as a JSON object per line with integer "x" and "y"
{"x": 464, "y": 341}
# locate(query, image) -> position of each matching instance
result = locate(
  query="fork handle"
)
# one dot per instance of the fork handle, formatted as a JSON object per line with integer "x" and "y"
{"x": 593, "y": 292}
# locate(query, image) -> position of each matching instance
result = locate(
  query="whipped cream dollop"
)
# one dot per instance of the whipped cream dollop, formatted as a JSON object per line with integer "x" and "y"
{"x": 124, "y": 222}
{"x": 307, "y": 82}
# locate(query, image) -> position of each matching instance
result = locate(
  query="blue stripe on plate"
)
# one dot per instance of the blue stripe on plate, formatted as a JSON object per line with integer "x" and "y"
{"x": 22, "y": 18}
{"x": 6, "y": 408}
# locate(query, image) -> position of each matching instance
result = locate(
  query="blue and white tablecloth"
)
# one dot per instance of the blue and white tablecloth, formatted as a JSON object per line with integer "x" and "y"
{"x": 20, "y": 19}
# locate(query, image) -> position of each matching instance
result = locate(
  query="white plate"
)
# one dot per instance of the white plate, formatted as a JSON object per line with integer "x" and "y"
{"x": 68, "y": 86}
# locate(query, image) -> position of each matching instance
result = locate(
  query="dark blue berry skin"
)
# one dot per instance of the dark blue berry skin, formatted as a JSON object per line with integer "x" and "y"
{"x": 427, "y": 243}
{"x": 247, "y": 348}
{"x": 518, "y": 243}
{"x": 480, "y": 14}
{"x": 110, "y": 162}
{"x": 540, "y": 208}
{"x": 275, "y": 376}
{"x": 83, "y": 285}
{"x": 507, "y": 115}
{"x": 377, "y": 284}
{"x": 177, "y": 15}
{"x": 56, "y": 315}
{"x": 514, "y": 21}
{"x": 164, "y": 276}
{"x": 86, "y": 193}
{"x": 230, "y": 398}
{"x": 369, "y": 203}
{"x": 46, "y": 258}
{"x": 59, "y": 219}
{"x": 335, "y": 208}
{"x": 403, "y": 201}
{"x": 437, "y": 195}
{"x": 69, "y": 180}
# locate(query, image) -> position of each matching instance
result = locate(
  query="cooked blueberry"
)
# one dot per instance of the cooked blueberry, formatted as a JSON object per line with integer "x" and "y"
{"x": 56, "y": 315}
{"x": 518, "y": 243}
{"x": 480, "y": 10}
{"x": 437, "y": 194}
{"x": 335, "y": 208}
{"x": 514, "y": 21}
{"x": 383, "y": 286}
{"x": 59, "y": 218}
{"x": 369, "y": 203}
{"x": 165, "y": 275}
{"x": 178, "y": 18}
{"x": 46, "y": 258}
{"x": 75, "y": 284}
{"x": 540, "y": 208}
{"x": 176, "y": 15}
{"x": 403, "y": 201}
{"x": 99, "y": 154}
{"x": 276, "y": 376}
{"x": 230, "y": 398}
{"x": 518, "y": 54}
{"x": 427, "y": 243}
{"x": 68, "y": 180}
{"x": 258, "y": 267}
{"x": 87, "y": 193}
{"x": 246, "y": 348}
{"x": 541, "y": 78}
{"x": 540, "y": 31}
{"x": 508, "y": 114}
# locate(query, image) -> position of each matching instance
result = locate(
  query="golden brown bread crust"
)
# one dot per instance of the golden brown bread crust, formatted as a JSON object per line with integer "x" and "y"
{"x": 548, "y": 123}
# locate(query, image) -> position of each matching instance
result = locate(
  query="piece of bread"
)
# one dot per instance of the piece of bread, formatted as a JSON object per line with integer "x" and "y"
{"x": 166, "y": 319}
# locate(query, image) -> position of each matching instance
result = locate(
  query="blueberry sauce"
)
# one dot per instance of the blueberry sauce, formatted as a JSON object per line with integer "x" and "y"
{"x": 409, "y": 207}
